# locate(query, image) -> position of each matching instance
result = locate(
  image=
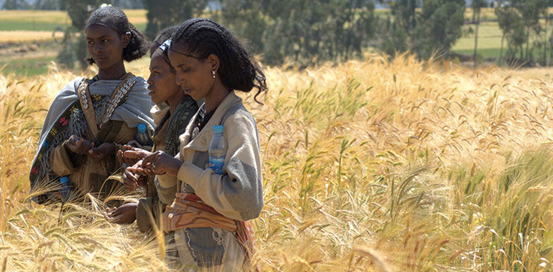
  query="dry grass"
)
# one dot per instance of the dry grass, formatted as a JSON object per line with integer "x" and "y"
{"x": 37, "y": 16}
{"x": 368, "y": 166}
{"x": 28, "y": 36}
{"x": 136, "y": 16}
{"x": 24, "y": 26}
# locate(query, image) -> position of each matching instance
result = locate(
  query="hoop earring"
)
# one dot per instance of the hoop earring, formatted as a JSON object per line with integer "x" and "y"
{"x": 213, "y": 73}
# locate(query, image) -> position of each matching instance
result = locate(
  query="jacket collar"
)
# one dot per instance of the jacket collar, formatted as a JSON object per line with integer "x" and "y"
{"x": 201, "y": 141}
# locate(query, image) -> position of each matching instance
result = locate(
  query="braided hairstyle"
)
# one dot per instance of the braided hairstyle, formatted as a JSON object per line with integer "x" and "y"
{"x": 162, "y": 36}
{"x": 237, "y": 69}
{"x": 116, "y": 19}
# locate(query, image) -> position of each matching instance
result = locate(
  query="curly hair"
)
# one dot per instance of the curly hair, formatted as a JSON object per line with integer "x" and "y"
{"x": 237, "y": 69}
{"x": 116, "y": 19}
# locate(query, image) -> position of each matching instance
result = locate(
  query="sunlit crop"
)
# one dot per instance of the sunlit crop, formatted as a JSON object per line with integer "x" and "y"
{"x": 373, "y": 165}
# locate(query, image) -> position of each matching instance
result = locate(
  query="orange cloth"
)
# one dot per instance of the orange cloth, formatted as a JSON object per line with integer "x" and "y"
{"x": 189, "y": 211}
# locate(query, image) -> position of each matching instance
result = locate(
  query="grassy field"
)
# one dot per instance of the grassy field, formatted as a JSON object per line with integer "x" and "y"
{"x": 43, "y": 30}
{"x": 368, "y": 166}
{"x": 28, "y": 66}
{"x": 24, "y": 36}
{"x": 49, "y": 20}
{"x": 489, "y": 36}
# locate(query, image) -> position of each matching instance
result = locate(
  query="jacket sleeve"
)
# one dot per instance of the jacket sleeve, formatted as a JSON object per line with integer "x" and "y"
{"x": 237, "y": 193}
{"x": 166, "y": 187}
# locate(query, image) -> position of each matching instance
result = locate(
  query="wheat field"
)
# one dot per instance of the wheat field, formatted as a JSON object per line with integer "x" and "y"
{"x": 371, "y": 165}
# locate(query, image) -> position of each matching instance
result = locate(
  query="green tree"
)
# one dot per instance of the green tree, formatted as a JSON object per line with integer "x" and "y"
{"x": 512, "y": 27}
{"x": 439, "y": 27}
{"x": 67, "y": 55}
{"x": 546, "y": 43}
{"x": 78, "y": 11}
{"x": 47, "y": 4}
{"x": 245, "y": 18}
{"x": 314, "y": 31}
{"x": 530, "y": 11}
{"x": 15, "y": 4}
{"x": 404, "y": 14}
{"x": 396, "y": 31}
{"x": 476, "y": 6}
{"x": 304, "y": 31}
{"x": 165, "y": 13}
{"x": 519, "y": 22}
{"x": 394, "y": 39}
{"x": 128, "y": 4}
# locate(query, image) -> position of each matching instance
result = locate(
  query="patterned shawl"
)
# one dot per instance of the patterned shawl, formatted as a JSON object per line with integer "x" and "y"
{"x": 177, "y": 124}
{"x": 61, "y": 120}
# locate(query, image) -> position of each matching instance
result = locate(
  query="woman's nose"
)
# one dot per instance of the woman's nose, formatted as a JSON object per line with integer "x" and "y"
{"x": 179, "y": 80}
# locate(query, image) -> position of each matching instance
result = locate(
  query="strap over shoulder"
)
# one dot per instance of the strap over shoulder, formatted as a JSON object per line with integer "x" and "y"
{"x": 118, "y": 96}
{"x": 88, "y": 108}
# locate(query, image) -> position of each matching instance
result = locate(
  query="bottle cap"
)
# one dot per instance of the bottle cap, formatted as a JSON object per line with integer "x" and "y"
{"x": 141, "y": 128}
{"x": 64, "y": 179}
{"x": 218, "y": 128}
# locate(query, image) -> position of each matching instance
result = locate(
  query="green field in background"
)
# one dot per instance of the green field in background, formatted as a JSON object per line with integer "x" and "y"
{"x": 34, "y": 20}
{"x": 26, "y": 67}
{"x": 49, "y": 20}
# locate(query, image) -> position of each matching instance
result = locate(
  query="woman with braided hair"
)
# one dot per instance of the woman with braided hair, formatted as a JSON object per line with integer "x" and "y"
{"x": 90, "y": 119}
{"x": 206, "y": 218}
{"x": 172, "y": 113}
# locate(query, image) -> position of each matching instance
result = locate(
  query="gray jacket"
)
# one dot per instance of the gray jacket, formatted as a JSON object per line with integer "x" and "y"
{"x": 237, "y": 193}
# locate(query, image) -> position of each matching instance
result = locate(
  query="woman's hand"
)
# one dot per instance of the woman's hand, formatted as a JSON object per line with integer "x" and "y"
{"x": 157, "y": 163}
{"x": 131, "y": 181}
{"x": 101, "y": 152}
{"x": 78, "y": 145}
{"x": 139, "y": 155}
{"x": 126, "y": 160}
{"x": 125, "y": 214}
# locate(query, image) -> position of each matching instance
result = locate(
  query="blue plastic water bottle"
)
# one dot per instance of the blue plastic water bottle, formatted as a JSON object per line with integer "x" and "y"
{"x": 142, "y": 136}
{"x": 217, "y": 151}
{"x": 65, "y": 189}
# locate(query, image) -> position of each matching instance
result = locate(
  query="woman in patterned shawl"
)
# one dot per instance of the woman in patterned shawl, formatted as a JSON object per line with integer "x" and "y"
{"x": 90, "y": 119}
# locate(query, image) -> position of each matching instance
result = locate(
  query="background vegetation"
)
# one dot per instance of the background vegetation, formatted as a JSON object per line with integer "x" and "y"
{"x": 373, "y": 164}
{"x": 305, "y": 33}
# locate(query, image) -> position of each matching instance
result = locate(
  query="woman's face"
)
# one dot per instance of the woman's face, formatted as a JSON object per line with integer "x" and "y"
{"x": 105, "y": 46}
{"x": 194, "y": 75}
{"x": 162, "y": 83}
